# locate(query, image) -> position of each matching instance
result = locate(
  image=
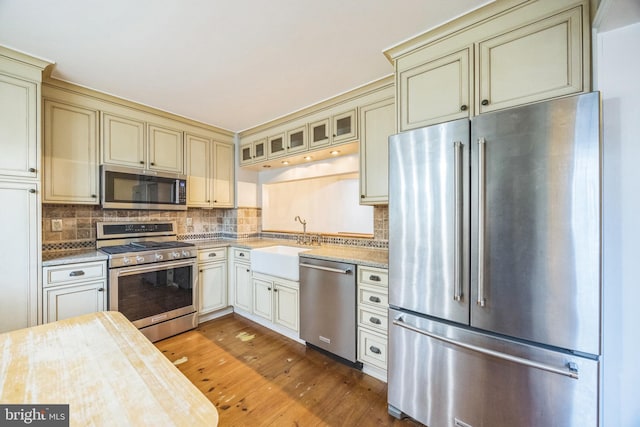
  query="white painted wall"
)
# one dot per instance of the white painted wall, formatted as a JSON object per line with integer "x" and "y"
{"x": 319, "y": 193}
{"x": 618, "y": 78}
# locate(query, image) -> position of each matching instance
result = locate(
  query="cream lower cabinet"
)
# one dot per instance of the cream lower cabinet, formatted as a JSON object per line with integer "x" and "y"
{"x": 19, "y": 255}
{"x": 74, "y": 289}
{"x": 241, "y": 279}
{"x": 372, "y": 308}
{"x": 533, "y": 52}
{"x": 212, "y": 280}
{"x": 277, "y": 300}
{"x": 377, "y": 123}
{"x": 70, "y": 154}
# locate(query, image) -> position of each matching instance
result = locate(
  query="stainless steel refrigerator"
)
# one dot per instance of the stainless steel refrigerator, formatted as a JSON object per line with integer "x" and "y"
{"x": 495, "y": 268}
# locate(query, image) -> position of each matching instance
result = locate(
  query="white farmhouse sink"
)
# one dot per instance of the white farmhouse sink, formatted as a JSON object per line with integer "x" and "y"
{"x": 279, "y": 261}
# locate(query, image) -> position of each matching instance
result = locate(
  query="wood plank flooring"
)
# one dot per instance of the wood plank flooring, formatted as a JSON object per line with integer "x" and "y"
{"x": 255, "y": 377}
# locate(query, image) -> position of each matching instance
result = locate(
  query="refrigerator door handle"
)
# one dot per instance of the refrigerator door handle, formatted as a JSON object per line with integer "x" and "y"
{"x": 457, "y": 238}
{"x": 481, "y": 301}
{"x": 572, "y": 367}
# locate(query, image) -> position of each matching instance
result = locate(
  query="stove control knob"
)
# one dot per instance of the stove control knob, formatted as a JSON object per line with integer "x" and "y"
{"x": 175, "y": 254}
{"x": 185, "y": 253}
{"x": 159, "y": 257}
{"x": 126, "y": 260}
{"x": 139, "y": 258}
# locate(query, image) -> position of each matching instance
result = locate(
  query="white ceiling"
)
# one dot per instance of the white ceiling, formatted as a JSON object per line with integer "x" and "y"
{"x": 228, "y": 63}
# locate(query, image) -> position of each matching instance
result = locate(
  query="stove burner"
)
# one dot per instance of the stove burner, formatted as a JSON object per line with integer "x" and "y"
{"x": 142, "y": 246}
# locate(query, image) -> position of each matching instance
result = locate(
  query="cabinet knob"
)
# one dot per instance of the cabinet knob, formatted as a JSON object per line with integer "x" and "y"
{"x": 94, "y": 196}
{"x": 32, "y": 169}
{"x": 32, "y": 190}
{"x": 485, "y": 102}
{"x": 275, "y": 290}
{"x": 100, "y": 289}
{"x": 215, "y": 201}
{"x": 268, "y": 289}
{"x": 208, "y": 201}
{"x": 463, "y": 108}
{"x": 248, "y": 270}
{"x": 153, "y": 164}
{"x": 141, "y": 162}
{"x": 362, "y": 196}
{"x": 241, "y": 254}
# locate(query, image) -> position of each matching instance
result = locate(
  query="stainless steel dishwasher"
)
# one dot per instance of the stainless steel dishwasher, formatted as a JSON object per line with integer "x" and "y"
{"x": 328, "y": 306}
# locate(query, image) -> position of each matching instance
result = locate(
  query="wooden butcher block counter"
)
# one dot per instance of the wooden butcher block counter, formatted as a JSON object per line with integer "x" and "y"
{"x": 105, "y": 369}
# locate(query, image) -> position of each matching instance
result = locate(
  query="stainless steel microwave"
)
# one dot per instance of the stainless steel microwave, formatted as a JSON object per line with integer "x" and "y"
{"x": 130, "y": 188}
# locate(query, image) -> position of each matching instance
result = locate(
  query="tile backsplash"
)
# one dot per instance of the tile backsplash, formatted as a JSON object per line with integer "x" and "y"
{"x": 79, "y": 224}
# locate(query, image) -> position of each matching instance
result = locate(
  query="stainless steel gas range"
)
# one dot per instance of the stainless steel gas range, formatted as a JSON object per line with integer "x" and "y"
{"x": 152, "y": 276}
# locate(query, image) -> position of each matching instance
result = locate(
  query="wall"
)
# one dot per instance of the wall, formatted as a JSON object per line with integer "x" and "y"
{"x": 618, "y": 68}
{"x": 79, "y": 223}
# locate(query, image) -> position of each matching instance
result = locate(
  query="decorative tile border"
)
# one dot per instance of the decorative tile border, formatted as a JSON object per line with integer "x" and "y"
{"x": 71, "y": 245}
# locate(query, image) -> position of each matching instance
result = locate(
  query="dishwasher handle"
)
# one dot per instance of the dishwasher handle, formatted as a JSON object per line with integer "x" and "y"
{"x": 333, "y": 270}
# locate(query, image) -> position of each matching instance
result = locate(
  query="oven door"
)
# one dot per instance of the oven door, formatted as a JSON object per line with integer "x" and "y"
{"x": 154, "y": 293}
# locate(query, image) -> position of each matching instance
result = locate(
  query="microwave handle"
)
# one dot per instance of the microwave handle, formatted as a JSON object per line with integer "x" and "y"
{"x": 176, "y": 192}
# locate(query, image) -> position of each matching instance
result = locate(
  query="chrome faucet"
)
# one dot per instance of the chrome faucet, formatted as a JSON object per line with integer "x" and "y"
{"x": 304, "y": 229}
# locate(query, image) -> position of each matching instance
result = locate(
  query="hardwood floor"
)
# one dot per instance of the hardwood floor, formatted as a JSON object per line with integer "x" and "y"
{"x": 255, "y": 377}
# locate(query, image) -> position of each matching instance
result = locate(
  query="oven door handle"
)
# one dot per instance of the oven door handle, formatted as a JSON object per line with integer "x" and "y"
{"x": 135, "y": 269}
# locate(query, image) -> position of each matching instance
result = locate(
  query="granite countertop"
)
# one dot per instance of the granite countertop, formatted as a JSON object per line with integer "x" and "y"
{"x": 54, "y": 258}
{"x": 372, "y": 257}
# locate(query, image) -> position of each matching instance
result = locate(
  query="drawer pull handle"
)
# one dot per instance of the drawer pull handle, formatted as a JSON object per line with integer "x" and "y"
{"x": 375, "y": 350}
{"x": 375, "y": 321}
{"x": 374, "y": 278}
{"x": 76, "y": 273}
{"x": 241, "y": 254}
{"x": 212, "y": 254}
{"x": 374, "y": 299}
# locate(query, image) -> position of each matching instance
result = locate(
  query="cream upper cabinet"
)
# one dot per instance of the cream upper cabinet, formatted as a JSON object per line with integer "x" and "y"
{"x": 276, "y": 145}
{"x": 70, "y": 154}
{"x": 345, "y": 127}
{"x": 18, "y": 127}
{"x": 135, "y": 143}
{"x": 123, "y": 141}
{"x": 534, "y": 62}
{"x": 377, "y": 123}
{"x": 198, "y": 170}
{"x": 320, "y": 133}
{"x": 165, "y": 148}
{"x": 435, "y": 91}
{"x": 209, "y": 166}
{"x": 337, "y": 129}
{"x": 502, "y": 55}
{"x": 223, "y": 175}
{"x": 297, "y": 140}
{"x": 254, "y": 151}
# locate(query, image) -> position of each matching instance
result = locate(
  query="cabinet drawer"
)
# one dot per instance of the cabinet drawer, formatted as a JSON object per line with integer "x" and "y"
{"x": 373, "y": 276}
{"x": 372, "y": 348}
{"x": 372, "y": 319}
{"x": 373, "y": 297}
{"x": 71, "y": 273}
{"x": 241, "y": 254}
{"x": 214, "y": 254}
